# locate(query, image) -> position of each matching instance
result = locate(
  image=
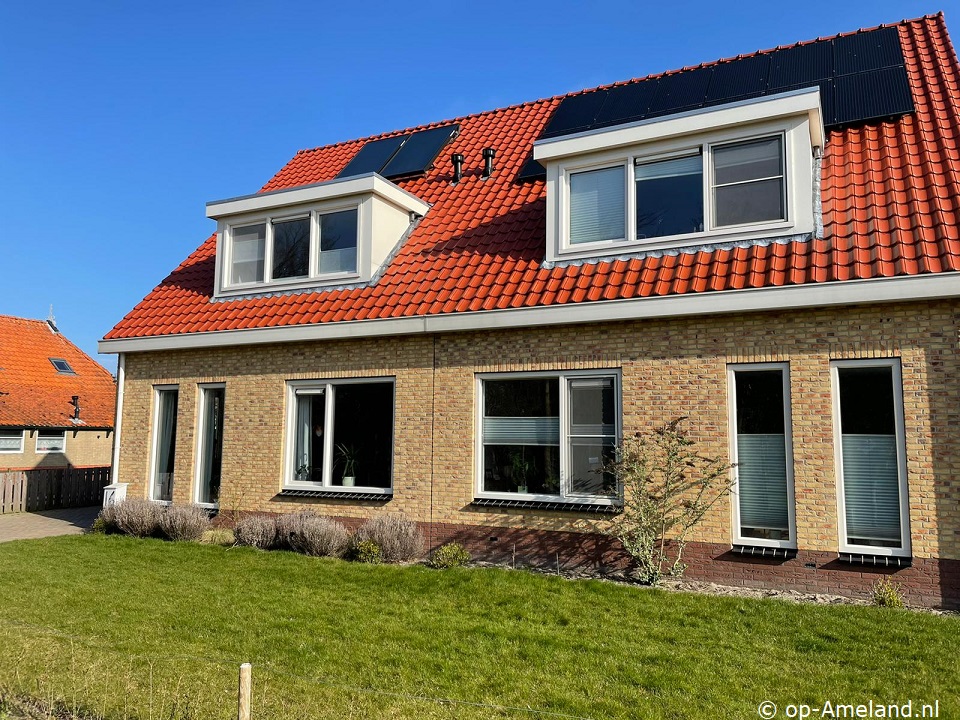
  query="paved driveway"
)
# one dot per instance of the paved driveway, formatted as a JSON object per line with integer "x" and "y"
{"x": 24, "y": 526}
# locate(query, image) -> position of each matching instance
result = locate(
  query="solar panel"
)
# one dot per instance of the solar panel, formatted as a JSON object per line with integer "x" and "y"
{"x": 575, "y": 113}
{"x": 419, "y": 151}
{"x": 801, "y": 65}
{"x": 872, "y": 95}
{"x": 864, "y": 52}
{"x": 373, "y": 156}
{"x": 738, "y": 79}
{"x": 629, "y": 102}
{"x": 681, "y": 91}
{"x": 531, "y": 170}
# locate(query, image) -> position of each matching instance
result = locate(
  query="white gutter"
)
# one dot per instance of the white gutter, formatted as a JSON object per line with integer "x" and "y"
{"x": 115, "y": 462}
{"x": 897, "y": 289}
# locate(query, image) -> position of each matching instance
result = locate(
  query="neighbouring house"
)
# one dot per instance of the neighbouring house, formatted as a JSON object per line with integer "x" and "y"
{"x": 459, "y": 321}
{"x": 57, "y": 404}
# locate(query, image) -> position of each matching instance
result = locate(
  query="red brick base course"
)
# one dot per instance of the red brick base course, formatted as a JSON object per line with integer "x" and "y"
{"x": 928, "y": 582}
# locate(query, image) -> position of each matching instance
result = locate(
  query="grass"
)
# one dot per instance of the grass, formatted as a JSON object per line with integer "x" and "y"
{"x": 125, "y": 628}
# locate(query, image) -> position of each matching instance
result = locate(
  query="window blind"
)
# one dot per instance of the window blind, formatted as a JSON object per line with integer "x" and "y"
{"x": 871, "y": 488}
{"x": 597, "y": 205}
{"x": 762, "y": 481}
{"x": 521, "y": 430}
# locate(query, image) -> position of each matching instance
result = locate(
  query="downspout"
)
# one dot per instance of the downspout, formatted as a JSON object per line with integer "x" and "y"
{"x": 115, "y": 463}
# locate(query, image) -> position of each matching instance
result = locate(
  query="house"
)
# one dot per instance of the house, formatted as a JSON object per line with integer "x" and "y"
{"x": 459, "y": 321}
{"x": 57, "y": 404}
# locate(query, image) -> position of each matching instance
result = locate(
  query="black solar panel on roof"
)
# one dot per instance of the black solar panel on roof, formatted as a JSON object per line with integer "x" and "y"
{"x": 861, "y": 77}
{"x": 884, "y": 93}
{"x": 419, "y": 151}
{"x": 373, "y": 156}
{"x": 869, "y": 51}
{"x": 531, "y": 170}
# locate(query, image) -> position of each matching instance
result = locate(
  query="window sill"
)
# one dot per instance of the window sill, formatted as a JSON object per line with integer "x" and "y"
{"x": 559, "y": 505}
{"x": 891, "y": 561}
{"x": 337, "y": 494}
{"x": 765, "y": 551}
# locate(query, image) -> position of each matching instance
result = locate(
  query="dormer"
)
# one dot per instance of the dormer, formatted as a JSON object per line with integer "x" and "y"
{"x": 328, "y": 234}
{"x": 738, "y": 171}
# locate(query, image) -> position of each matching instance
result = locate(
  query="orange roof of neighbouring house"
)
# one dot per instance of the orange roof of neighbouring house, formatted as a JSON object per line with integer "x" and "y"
{"x": 890, "y": 194}
{"x": 34, "y": 394}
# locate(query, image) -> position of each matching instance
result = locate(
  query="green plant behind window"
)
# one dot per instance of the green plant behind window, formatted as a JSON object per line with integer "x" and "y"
{"x": 668, "y": 488}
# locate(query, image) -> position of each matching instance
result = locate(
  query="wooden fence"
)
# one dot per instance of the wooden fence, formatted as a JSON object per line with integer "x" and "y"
{"x": 52, "y": 488}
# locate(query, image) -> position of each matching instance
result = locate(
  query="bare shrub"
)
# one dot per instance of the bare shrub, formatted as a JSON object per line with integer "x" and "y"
{"x": 137, "y": 517}
{"x": 398, "y": 538}
{"x": 318, "y": 536}
{"x": 259, "y": 531}
{"x": 184, "y": 522}
{"x": 106, "y": 521}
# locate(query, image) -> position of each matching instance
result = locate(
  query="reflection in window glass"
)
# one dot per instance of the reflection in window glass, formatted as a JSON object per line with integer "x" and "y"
{"x": 338, "y": 242}
{"x": 669, "y": 197}
{"x": 748, "y": 182}
{"x": 597, "y": 206}
{"x": 291, "y": 248}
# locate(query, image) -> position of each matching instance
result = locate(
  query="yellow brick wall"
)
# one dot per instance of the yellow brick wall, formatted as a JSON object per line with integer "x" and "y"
{"x": 669, "y": 368}
{"x": 83, "y": 448}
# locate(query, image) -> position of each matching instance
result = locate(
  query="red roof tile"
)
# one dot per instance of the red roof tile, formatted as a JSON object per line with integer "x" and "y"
{"x": 890, "y": 192}
{"x": 34, "y": 394}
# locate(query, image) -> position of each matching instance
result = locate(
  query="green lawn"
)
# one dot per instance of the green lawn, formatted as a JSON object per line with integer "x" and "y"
{"x": 150, "y": 629}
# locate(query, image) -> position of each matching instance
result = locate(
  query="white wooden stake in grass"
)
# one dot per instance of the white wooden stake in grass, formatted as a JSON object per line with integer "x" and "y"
{"x": 243, "y": 697}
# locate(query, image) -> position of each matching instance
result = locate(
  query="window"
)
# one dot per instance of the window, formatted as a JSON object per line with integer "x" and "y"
{"x": 210, "y": 444}
{"x": 164, "y": 442}
{"x": 548, "y": 435}
{"x": 868, "y": 422}
{"x": 740, "y": 171}
{"x": 62, "y": 366}
{"x": 11, "y": 441}
{"x": 337, "y": 232}
{"x": 340, "y": 435}
{"x": 762, "y": 455}
{"x": 747, "y": 187}
{"x": 51, "y": 441}
{"x": 284, "y": 247}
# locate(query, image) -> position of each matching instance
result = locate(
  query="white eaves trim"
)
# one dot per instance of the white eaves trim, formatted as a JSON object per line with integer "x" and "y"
{"x": 796, "y": 102}
{"x": 898, "y": 289}
{"x": 332, "y": 189}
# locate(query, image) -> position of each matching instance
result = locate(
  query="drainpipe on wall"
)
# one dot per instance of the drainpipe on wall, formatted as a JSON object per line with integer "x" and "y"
{"x": 115, "y": 461}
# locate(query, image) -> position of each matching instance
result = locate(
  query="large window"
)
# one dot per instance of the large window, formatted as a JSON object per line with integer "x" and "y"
{"x": 293, "y": 248}
{"x": 164, "y": 442}
{"x": 548, "y": 435}
{"x": 340, "y": 435}
{"x": 210, "y": 444}
{"x": 51, "y": 441}
{"x": 762, "y": 455}
{"x": 11, "y": 441}
{"x": 868, "y": 421}
{"x": 746, "y": 180}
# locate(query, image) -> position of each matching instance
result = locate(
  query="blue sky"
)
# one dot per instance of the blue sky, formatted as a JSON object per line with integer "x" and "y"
{"x": 120, "y": 120}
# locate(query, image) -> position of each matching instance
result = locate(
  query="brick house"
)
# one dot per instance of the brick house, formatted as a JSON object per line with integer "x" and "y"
{"x": 459, "y": 321}
{"x": 57, "y": 404}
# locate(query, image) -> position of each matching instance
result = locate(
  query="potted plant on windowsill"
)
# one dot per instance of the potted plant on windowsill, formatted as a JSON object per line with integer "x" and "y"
{"x": 519, "y": 469}
{"x": 347, "y": 458}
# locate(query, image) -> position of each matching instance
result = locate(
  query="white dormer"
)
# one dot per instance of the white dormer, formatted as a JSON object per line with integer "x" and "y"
{"x": 738, "y": 171}
{"x": 331, "y": 233}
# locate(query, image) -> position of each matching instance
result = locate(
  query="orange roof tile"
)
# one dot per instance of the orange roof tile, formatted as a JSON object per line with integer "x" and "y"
{"x": 34, "y": 394}
{"x": 890, "y": 192}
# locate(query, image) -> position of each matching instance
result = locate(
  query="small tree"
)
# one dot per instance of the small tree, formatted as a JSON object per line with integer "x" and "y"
{"x": 668, "y": 487}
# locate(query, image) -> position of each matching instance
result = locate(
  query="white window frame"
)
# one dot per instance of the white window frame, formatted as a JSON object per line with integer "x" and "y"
{"x": 668, "y": 151}
{"x": 313, "y": 271}
{"x": 732, "y": 371}
{"x": 155, "y": 439}
{"x": 794, "y": 114}
{"x": 45, "y": 451}
{"x": 328, "y": 388}
{"x": 200, "y": 447}
{"x": 897, "y": 378}
{"x": 564, "y": 376}
{"x": 11, "y": 432}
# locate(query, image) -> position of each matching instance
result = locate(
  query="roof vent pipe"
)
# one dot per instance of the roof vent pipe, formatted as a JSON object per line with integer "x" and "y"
{"x": 75, "y": 401}
{"x": 488, "y": 155}
{"x": 457, "y": 160}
